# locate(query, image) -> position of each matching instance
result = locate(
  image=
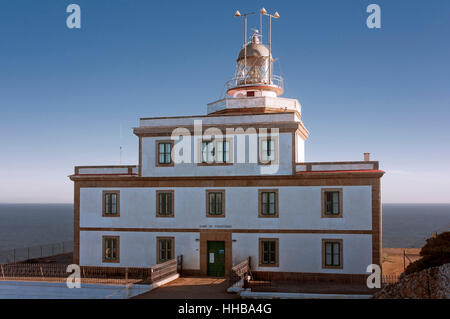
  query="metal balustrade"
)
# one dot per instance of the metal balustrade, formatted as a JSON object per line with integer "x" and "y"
{"x": 25, "y": 253}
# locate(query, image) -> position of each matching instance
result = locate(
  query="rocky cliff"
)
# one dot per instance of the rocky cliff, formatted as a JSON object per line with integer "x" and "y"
{"x": 431, "y": 283}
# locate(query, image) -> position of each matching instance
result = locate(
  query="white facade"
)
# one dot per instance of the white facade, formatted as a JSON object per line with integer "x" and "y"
{"x": 298, "y": 252}
{"x": 245, "y": 167}
{"x": 313, "y": 205}
{"x": 299, "y": 208}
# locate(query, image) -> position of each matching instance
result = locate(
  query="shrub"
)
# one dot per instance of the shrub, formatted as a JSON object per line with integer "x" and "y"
{"x": 435, "y": 252}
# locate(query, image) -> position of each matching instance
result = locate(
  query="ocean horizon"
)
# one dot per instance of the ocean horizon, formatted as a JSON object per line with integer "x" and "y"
{"x": 25, "y": 225}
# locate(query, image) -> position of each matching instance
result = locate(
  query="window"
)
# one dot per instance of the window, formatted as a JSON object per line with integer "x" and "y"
{"x": 268, "y": 148}
{"x": 268, "y": 252}
{"x": 111, "y": 249}
{"x": 216, "y": 152}
{"x": 223, "y": 151}
{"x": 165, "y": 247}
{"x": 332, "y": 253}
{"x": 111, "y": 204}
{"x": 215, "y": 203}
{"x": 268, "y": 203}
{"x": 165, "y": 203}
{"x": 332, "y": 202}
{"x": 164, "y": 153}
{"x": 208, "y": 152}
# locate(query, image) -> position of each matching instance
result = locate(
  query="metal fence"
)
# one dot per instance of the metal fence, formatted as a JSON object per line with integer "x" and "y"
{"x": 389, "y": 279}
{"x": 163, "y": 270}
{"x": 22, "y": 254}
{"x": 239, "y": 271}
{"x": 88, "y": 274}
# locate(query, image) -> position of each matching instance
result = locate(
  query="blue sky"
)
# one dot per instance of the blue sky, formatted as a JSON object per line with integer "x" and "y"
{"x": 64, "y": 94}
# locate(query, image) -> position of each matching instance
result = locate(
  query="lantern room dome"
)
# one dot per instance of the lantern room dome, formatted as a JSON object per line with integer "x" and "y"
{"x": 255, "y": 49}
{"x": 254, "y": 72}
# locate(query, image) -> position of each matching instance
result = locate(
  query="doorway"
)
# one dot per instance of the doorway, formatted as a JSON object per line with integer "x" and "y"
{"x": 216, "y": 258}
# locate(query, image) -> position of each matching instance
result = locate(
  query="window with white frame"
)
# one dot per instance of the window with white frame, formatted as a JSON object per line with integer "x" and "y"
{"x": 268, "y": 149}
{"x": 216, "y": 151}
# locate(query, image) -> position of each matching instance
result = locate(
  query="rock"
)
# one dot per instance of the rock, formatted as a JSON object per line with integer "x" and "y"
{"x": 431, "y": 283}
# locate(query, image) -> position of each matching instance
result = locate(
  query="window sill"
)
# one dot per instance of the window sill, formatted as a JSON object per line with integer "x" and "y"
{"x": 332, "y": 267}
{"x": 268, "y": 163}
{"x": 164, "y": 165}
{"x": 214, "y": 164}
{"x": 268, "y": 265}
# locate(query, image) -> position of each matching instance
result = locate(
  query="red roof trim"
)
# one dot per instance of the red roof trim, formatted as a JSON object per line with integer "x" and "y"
{"x": 344, "y": 171}
{"x": 127, "y": 174}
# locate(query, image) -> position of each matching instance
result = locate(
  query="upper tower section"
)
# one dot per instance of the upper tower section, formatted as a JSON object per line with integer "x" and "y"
{"x": 255, "y": 88}
{"x": 254, "y": 66}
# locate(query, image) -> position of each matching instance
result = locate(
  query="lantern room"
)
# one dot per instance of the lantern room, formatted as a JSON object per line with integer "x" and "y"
{"x": 254, "y": 66}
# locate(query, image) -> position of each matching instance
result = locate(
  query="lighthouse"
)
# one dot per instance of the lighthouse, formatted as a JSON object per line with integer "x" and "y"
{"x": 299, "y": 221}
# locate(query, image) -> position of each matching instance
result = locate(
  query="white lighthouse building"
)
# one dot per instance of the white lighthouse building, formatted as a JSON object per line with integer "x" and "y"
{"x": 231, "y": 184}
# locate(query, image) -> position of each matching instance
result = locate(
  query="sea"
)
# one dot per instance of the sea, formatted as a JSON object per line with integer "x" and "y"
{"x": 25, "y": 225}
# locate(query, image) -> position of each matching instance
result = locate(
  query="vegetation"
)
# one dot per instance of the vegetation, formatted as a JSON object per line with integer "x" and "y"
{"x": 436, "y": 252}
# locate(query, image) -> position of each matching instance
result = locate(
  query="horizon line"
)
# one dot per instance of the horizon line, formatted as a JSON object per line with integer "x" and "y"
{"x": 66, "y": 203}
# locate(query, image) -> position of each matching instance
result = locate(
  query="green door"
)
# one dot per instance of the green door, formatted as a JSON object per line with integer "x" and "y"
{"x": 216, "y": 258}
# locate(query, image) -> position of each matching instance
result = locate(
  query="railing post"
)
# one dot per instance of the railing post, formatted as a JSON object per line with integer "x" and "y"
{"x": 180, "y": 263}
{"x": 404, "y": 259}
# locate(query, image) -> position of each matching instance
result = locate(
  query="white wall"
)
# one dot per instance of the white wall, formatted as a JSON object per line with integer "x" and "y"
{"x": 267, "y": 99}
{"x": 138, "y": 249}
{"x": 303, "y": 252}
{"x": 299, "y": 208}
{"x": 244, "y": 119}
{"x": 297, "y": 252}
{"x": 300, "y": 148}
{"x": 149, "y": 167}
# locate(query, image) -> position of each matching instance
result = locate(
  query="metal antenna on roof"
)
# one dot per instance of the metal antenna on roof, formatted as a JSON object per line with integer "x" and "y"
{"x": 238, "y": 14}
{"x": 120, "y": 140}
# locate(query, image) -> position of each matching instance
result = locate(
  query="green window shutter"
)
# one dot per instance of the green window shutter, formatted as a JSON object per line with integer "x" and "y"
{"x": 218, "y": 203}
{"x": 113, "y": 203}
{"x": 226, "y": 151}
{"x": 107, "y": 203}
{"x": 336, "y": 204}
{"x": 169, "y": 203}
{"x": 220, "y": 152}
{"x": 336, "y": 254}
{"x": 161, "y": 153}
{"x": 328, "y": 254}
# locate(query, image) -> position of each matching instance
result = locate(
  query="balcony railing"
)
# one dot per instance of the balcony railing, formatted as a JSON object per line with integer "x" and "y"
{"x": 107, "y": 170}
{"x": 336, "y": 166}
{"x": 243, "y": 81}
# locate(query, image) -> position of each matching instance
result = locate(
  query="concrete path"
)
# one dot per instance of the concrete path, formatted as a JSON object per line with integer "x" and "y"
{"x": 53, "y": 290}
{"x": 191, "y": 288}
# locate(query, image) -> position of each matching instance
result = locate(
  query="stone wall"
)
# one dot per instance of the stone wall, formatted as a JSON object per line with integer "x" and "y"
{"x": 431, "y": 283}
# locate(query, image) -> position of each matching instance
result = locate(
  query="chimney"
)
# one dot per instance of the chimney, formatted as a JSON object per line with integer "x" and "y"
{"x": 366, "y": 157}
